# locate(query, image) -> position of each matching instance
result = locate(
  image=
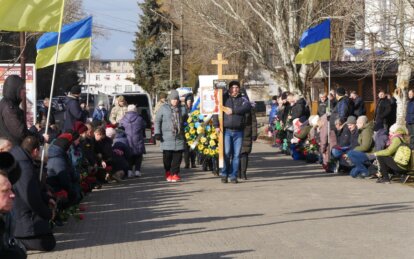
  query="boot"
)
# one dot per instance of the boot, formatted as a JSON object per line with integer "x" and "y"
{"x": 243, "y": 167}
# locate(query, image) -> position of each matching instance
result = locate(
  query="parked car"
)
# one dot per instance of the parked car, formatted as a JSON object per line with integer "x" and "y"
{"x": 144, "y": 106}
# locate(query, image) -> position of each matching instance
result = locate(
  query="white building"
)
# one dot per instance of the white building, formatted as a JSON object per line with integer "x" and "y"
{"x": 111, "y": 76}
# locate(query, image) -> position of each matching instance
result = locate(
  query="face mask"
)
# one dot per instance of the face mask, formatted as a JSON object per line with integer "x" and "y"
{"x": 100, "y": 106}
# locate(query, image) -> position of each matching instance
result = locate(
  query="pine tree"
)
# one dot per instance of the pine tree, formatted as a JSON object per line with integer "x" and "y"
{"x": 150, "y": 65}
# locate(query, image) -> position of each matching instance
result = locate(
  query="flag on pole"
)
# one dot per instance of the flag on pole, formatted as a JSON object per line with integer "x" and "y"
{"x": 75, "y": 44}
{"x": 315, "y": 44}
{"x": 30, "y": 15}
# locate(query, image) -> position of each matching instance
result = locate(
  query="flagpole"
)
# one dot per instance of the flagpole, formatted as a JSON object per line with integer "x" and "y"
{"x": 329, "y": 91}
{"x": 51, "y": 89}
{"x": 89, "y": 75}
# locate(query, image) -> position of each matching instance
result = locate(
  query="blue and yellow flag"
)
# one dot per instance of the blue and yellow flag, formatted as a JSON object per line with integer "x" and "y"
{"x": 75, "y": 44}
{"x": 315, "y": 44}
{"x": 30, "y": 15}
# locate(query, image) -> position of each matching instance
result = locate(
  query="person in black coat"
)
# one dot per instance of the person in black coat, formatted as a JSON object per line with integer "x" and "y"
{"x": 12, "y": 123}
{"x": 382, "y": 112}
{"x": 32, "y": 209}
{"x": 73, "y": 110}
{"x": 359, "y": 104}
{"x": 322, "y": 104}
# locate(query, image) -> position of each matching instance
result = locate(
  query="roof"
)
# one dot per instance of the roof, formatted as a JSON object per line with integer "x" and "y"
{"x": 359, "y": 69}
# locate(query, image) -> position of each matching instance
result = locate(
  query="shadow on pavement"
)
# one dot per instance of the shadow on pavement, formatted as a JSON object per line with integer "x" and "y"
{"x": 211, "y": 255}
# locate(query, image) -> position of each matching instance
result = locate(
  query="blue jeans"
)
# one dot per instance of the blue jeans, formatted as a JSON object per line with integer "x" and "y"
{"x": 337, "y": 153}
{"x": 233, "y": 140}
{"x": 358, "y": 159}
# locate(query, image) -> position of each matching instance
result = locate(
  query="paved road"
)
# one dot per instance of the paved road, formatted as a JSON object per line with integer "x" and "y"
{"x": 287, "y": 209}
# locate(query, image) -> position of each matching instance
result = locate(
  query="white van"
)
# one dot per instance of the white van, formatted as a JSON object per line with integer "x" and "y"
{"x": 144, "y": 107}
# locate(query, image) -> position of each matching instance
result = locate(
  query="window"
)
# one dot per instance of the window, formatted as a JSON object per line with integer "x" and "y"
{"x": 128, "y": 88}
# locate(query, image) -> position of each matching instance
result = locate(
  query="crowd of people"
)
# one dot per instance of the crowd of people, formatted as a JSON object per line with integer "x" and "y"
{"x": 341, "y": 137}
{"x": 82, "y": 155}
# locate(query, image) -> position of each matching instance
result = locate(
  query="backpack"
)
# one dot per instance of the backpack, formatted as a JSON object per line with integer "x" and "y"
{"x": 403, "y": 154}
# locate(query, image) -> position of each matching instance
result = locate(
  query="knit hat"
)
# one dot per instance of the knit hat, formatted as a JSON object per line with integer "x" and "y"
{"x": 110, "y": 132}
{"x": 74, "y": 134}
{"x": 9, "y": 165}
{"x": 64, "y": 141}
{"x": 340, "y": 91}
{"x": 351, "y": 120}
{"x": 76, "y": 89}
{"x": 80, "y": 127}
{"x": 398, "y": 129}
{"x": 174, "y": 95}
{"x": 132, "y": 108}
{"x": 237, "y": 83}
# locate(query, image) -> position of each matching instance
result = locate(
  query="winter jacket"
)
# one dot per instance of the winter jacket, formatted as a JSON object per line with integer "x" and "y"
{"x": 10, "y": 248}
{"x": 103, "y": 149}
{"x": 392, "y": 149}
{"x": 341, "y": 111}
{"x": 382, "y": 113}
{"x": 409, "y": 117}
{"x": 88, "y": 148}
{"x": 359, "y": 107}
{"x": 73, "y": 112}
{"x": 117, "y": 113}
{"x": 157, "y": 107}
{"x": 121, "y": 152}
{"x": 365, "y": 139}
{"x": 163, "y": 127}
{"x": 100, "y": 114}
{"x": 249, "y": 132}
{"x": 30, "y": 209}
{"x": 59, "y": 170}
{"x": 343, "y": 137}
{"x": 298, "y": 109}
{"x": 239, "y": 105}
{"x": 12, "y": 124}
{"x": 134, "y": 126}
{"x": 322, "y": 107}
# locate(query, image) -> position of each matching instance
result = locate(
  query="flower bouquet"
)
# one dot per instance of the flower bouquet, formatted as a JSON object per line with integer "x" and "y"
{"x": 311, "y": 151}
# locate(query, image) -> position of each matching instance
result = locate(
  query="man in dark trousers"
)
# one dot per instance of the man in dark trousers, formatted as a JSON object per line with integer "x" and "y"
{"x": 73, "y": 110}
{"x": 235, "y": 108}
{"x": 382, "y": 112}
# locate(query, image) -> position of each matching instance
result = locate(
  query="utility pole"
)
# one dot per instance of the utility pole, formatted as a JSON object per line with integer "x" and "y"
{"x": 182, "y": 46}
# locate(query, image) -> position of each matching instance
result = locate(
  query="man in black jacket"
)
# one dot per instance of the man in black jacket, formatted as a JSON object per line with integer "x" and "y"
{"x": 73, "y": 110}
{"x": 382, "y": 112}
{"x": 359, "y": 104}
{"x": 32, "y": 209}
{"x": 235, "y": 108}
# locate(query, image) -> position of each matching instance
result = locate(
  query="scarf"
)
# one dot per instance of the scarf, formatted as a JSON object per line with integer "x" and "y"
{"x": 175, "y": 120}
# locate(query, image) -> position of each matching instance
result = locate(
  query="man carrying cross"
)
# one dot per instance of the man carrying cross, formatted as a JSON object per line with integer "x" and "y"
{"x": 235, "y": 106}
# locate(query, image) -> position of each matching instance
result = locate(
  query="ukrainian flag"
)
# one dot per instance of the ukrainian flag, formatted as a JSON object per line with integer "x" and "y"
{"x": 75, "y": 44}
{"x": 315, "y": 44}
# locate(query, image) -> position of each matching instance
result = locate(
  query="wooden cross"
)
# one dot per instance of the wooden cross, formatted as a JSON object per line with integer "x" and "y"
{"x": 220, "y": 62}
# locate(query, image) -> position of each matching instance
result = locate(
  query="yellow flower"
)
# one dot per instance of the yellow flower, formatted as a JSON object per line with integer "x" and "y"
{"x": 196, "y": 112}
{"x": 191, "y": 125}
{"x": 190, "y": 119}
{"x": 212, "y": 143}
{"x": 203, "y": 140}
{"x": 206, "y": 151}
{"x": 213, "y": 136}
{"x": 200, "y": 147}
{"x": 200, "y": 130}
{"x": 192, "y": 131}
{"x": 187, "y": 135}
{"x": 212, "y": 152}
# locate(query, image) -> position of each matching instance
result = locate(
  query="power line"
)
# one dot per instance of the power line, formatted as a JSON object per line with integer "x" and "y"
{"x": 114, "y": 17}
{"x": 112, "y": 29}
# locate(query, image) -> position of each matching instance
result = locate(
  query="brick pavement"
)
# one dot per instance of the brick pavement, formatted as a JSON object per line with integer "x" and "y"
{"x": 287, "y": 209}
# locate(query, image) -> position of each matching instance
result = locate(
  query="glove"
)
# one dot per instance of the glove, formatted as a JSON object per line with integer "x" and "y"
{"x": 157, "y": 136}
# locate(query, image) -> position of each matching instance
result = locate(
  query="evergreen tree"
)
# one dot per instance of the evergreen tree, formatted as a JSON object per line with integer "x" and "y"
{"x": 151, "y": 62}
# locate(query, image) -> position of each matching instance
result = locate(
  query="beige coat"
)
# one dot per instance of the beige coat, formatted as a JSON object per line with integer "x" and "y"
{"x": 117, "y": 113}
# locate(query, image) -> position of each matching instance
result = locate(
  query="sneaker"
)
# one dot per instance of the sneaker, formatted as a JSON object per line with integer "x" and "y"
{"x": 130, "y": 174}
{"x": 169, "y": 178}
{"x": 175, "y": 178}
{"x": 168, "y": 175}
{"x": 224, "y": 179}
{"x": 234, "y": 180}
{"x": 137, "y": 173}
{"x": 382, "y": 180}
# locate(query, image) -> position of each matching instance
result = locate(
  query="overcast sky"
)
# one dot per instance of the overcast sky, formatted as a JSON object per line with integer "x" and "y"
{"x": 120, "y": 17}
